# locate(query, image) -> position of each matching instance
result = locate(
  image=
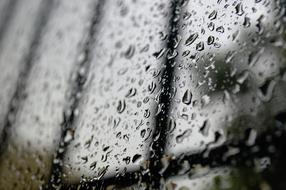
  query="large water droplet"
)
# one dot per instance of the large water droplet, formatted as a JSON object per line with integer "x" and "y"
{"x": 191, "y": 39}
{"x": 239, "y": 9}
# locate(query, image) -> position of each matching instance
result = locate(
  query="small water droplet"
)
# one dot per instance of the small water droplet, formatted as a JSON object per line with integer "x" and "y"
{"x": 131, "y": 92}
{"x": 121, "y": 106}
{"x": 191, "y": 39}
{"x": 246, "y": 22}
{"x": 200, "y": 46}
{"x": 220, "y": 29}
{"x": 213, "y": 15}
{"x": 69, "y": 135}
{"x": 210, "y": 40}
{"x": 204, "y": 130}
{"x": 160, "y": 53}
{"x": 211, "y": 26}
{"x": 184, "y": 135}
{"x": 129, "y": 52}
{"x": 93, "y": 165}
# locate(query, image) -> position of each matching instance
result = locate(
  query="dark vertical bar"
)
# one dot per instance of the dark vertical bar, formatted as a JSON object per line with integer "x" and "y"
{"x": 160, "y": 134}
{"x": 28, "y": 62}
{"x": 77, "y": 87}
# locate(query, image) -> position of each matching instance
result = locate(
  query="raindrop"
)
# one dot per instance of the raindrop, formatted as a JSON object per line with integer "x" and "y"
{"x": 129, "y": 52}
{"x": 131, "y": 92}
{"x": 213, "y": 15}
{"x": 93, "y": 165}
{"x": 246, "y": 22}
{"x": 191, "y": 39}
{"x": 259, "y": 24}
{"x": 151, "y": 87}
{"x": 184, "y": 135}
{"x": 142, "y": 133}
{"x": 220, "y": 29}
{"x": 69, "y": 135}
{"x": 172, "y": 54}
{"x": 186, "y": 53}
{"x": 171, "y": 125}
{"x": 210, "y": 40}
{"x": 127, "y": 159}
{"x": 211, "y": 26}
{"x": 136, "y": 157}
{"x": 187, "y": 97}
{"x": 200, "y": 46}
{"x": 147, "y": 113}
{"x": 121, "y": 106}
{"x": 204, "y": 130}
{"x": 160, "y": 53}
{"x": 239, "y": 9}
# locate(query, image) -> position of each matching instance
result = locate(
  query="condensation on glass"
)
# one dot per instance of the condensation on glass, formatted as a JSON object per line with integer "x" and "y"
{"x": 85, "y": 93}
{"x": 115, "y": 121}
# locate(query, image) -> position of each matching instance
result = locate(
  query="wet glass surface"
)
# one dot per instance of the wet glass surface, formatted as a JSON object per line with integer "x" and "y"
{"x": 142, "y": 94}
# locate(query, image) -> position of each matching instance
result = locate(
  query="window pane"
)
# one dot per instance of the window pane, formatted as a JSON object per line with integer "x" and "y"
{"x": 228, "y": 73}
{"x": 35, "y": 132}
{"x": 116, "y": 118}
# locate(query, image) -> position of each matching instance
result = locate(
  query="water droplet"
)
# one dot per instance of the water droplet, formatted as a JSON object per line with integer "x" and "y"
{"x": 147, "y": 113}
{"x": 186, "y": 53}
{"x": 200, "y": 46}
{"x": 121, "y": 106}
{"x": 69, "y": 135}
{"x": 210, "y": 40}
{"x": 246, "y": 22}
{"x": 136, "y": 157}
{"x": 213, "y": 15}
{"x": 160, "y": 53}
{"x": 191, "y": 39}
{"x": 172, "y": 54}
{"x": 93, "y": 165}
{"x": 239, "y": 9}
{"x": 220, "y": 29}
{"x": 129, "y": 52}
{"x": 204, "y": 130}
{"x": 171, "y": 125}
{"x": 131, "y": 92}
{"x": 211, "y": 26}
{"x": 152, "y": 87}
{"x": 187, "y": 97}
{"x": 184, "y": 135}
